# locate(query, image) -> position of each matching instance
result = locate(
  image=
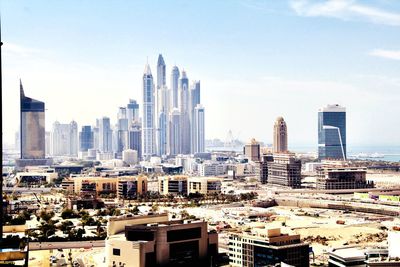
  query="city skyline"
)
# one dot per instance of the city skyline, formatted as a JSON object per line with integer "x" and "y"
{"x": 303, "y": 78}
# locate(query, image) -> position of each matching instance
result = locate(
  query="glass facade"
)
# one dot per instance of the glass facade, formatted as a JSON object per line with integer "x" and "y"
{"x": 332, "y": 134}
{"x": 33, "y": 134}
{"x": 86, "y": 138}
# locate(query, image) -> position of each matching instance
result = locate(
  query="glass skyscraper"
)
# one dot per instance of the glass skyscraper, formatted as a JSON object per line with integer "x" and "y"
{"x": 332, "y": 132}
{"x": 32, "y": 127}
{"x": 148, "y": 133}
{"x": 86, "y": 138}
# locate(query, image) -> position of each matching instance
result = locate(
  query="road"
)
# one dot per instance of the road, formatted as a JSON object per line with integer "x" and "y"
{"x": 65, "y": 245}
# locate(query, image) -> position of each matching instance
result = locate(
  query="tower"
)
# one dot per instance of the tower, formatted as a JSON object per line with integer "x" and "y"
{"x": 174, "y": 87}
{"x": 332, "y": 132}
{"x": 148, "y": 137}
{"x": 184, "y": 111}
{"x": 198, "y": 134}
{"x": 280, "y": 136}
{"x": 194, "y": 100}
{"x": 32, "y": 127}
{"x": 105, "y": 135}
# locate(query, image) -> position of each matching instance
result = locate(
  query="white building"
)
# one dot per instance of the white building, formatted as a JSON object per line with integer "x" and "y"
{"x": 130, "y": 156}
{"x": 64, "y": 139}
{"x": 198, "y": 134}
{"x": 212, "y": 169}
{"x": 148, "y": 130}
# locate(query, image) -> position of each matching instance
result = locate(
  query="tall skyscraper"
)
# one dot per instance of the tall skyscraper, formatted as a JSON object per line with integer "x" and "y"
{"x": 161, "y": 72}
{"x": 162, "y": 108}
{"x": 32, "y": 127}
{"x": 198, "y": 135}
{"x": 174, "y": 145}
{"x": 280, "y": 136}
{"x": 174, "y": 87}
{"x": 105, "y": 135}
{"x": 194, "y": 100}
{"x": 64, "y": 139}
{"x": 86, "y": 138}
{"x": 185, "y": 113}
{"x": 148, "y": 136}
{"x": 122, "y": 130}
{"x": 132, "y": 112}
{"x": 332, "y": 132}
{"x": 135, "y": 138}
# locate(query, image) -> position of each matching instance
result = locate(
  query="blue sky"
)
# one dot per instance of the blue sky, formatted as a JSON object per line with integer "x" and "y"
{"x": 256, "y": 60}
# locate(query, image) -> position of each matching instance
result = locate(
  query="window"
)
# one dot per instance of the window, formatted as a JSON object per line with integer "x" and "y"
{"x": 116, "y": 252}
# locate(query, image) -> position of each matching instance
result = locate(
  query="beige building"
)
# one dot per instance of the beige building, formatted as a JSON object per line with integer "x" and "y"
{"x": 175, "y": 185}
{"x": 124, "y": 186}
{"x": 204, "y": 185}
{"x": 252, "y": 150}
{"x": 161, "y": 243}
{"x": 280, "y": 136}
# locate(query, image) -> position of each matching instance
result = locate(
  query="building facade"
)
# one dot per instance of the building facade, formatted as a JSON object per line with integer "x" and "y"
{"x": 284, "y": 170}
{"x": 148, "y": 127}
{"x": 280, "y": 136}
{"x": 332, "y": 132}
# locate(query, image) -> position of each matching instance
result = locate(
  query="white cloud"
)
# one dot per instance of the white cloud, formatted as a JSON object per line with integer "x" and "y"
{"x": 390, "y": 54}
{"x": 15, "y": 49}
{"x": 346, "y": 10}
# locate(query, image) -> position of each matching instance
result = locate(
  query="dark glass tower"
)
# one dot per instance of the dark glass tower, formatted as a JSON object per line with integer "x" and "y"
{"x": 332, "y": 132}
{"x": 32, "y": 127}
{"x": 86, "y": 138}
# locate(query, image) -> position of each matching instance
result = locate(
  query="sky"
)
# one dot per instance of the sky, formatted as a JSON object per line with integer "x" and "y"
{"x": 256, "y": 60}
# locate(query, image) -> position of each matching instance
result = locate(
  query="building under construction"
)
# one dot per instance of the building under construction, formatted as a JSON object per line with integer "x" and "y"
{"x": 342, "y": 178}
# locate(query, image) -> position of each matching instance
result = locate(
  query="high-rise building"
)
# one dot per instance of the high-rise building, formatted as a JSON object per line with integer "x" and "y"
{"x": 161, "y": 72}
{"x": 32, "y": 127}
{"x": 332, "y": 132}
{"x": 132, "y": 112}
{"x": 174, "y": 144}
{"x": 194, "y": 100}
{"x": 135, "y": 138}
{"x": 198, "y": 135}
{"x": 162, "y": 108}
{"x": 280, "y": 136}
{"x": 122, "y": 130}
{"x": 252, "y": 150}
{"x": 185, "y": 113}
{"x": 64, "y": 139}
{"x": 105, "y": 135}
{"x": 148, "y": 137}
{"x": 174, "y": 87}
{"x": 86, "y": 138}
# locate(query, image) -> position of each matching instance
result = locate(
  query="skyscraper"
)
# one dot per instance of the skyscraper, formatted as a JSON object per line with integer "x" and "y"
{"x": 174, "y": 132}
{"x": 174, "y": 87}
{"x": 64, "y": 139}
{"x": 105, "y": 135}
{"x": 135, "y": 138}
{"x": 332, "y": 132}
{"x": 184, "y": 110}
{"x": 194, "y": 100}
{"x": 198, "y": 139}
{"x": 161, "y": 72}
{"x": 148, "y": 136}
{"x": 280, "y": 136}
{"x": 86, "y": 138}
{"x": 162, "y": 108}
{"x": 122, "y": 130}
{"x": 32, "y": 127}
{"x": 132, "y": 112}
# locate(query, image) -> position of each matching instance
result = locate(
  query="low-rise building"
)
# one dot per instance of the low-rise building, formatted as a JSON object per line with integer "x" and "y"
{"x": 284, "y": 170}
{"x": 342, "y": 178}
{"x": 204, "y": 185}
{"x": 174, "y": 184}
{"x": 267, "y": 247}
{"x": 210, "y": 168}
{"x": 153, "y": 241}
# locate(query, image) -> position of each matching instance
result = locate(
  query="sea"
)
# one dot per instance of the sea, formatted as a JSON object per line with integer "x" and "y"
{"x": 383, "y": 153}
